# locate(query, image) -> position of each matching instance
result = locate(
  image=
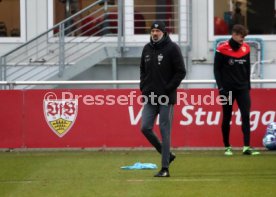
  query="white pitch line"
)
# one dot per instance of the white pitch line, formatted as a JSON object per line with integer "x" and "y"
{"x": 14, "y": 182}
{"x": 174, "y": 180}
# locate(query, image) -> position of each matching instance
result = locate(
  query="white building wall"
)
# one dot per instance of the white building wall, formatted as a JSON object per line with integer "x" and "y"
{"x": 201, "y": 47}
{"x": 200, "y": 30}
{"x": 36, "y": 17}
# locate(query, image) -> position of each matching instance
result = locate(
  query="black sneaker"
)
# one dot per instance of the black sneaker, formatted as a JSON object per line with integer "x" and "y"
{"x": 172, "y": 157}
{"x": 163, "y": 173}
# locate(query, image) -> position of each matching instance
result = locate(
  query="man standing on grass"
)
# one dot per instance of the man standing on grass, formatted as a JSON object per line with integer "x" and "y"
{"x": 161, "y": 72}
{"x": 232, "y": 73}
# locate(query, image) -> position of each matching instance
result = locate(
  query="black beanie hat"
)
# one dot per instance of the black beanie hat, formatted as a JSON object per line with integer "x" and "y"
{"x": 158, "y": 25}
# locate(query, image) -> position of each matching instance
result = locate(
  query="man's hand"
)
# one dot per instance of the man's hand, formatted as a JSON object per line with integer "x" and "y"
{"x": 224, "y": 92}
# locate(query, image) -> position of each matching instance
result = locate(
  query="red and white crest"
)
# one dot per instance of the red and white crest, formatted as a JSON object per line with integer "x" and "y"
{"x": 243, "y": 49}
{"x": 60, "y": 114}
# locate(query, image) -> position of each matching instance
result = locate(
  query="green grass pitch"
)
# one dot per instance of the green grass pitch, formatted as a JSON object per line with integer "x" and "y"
{"x": 98, "y": 173}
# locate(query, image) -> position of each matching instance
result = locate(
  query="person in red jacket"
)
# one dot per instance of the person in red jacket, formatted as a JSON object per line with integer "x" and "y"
{"x": 232, "y": 74}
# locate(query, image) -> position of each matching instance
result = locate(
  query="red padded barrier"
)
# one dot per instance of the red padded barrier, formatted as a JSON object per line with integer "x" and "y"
{"x": 24, "y": 121}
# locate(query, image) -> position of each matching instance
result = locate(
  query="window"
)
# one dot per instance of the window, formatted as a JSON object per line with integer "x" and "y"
{"x": 257, "y": 16}
{"x": 12, "y": 21}
{"x": 99, "y": 20}
{"x": 138, "y": 15}
{"x": 147, "y": 11}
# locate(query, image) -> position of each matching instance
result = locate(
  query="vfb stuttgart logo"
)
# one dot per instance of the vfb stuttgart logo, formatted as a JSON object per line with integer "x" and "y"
{"x": 59, "y": 114}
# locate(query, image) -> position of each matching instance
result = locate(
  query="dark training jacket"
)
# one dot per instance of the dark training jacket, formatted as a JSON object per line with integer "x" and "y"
{"x": 162, "y": 68}
{"x": 232, "y": 67}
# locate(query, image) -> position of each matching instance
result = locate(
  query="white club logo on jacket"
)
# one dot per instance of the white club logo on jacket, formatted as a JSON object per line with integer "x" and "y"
{"x": 160, "y": 58}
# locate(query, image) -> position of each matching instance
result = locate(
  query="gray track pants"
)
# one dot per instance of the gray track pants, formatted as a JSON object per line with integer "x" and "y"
{"x": 149, "y": 115}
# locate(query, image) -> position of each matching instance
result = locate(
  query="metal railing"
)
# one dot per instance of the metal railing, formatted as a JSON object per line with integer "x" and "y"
{"x": 13, "y": 84}
{"x": 66, "y": 42}
{"x": 256, "y": 68}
